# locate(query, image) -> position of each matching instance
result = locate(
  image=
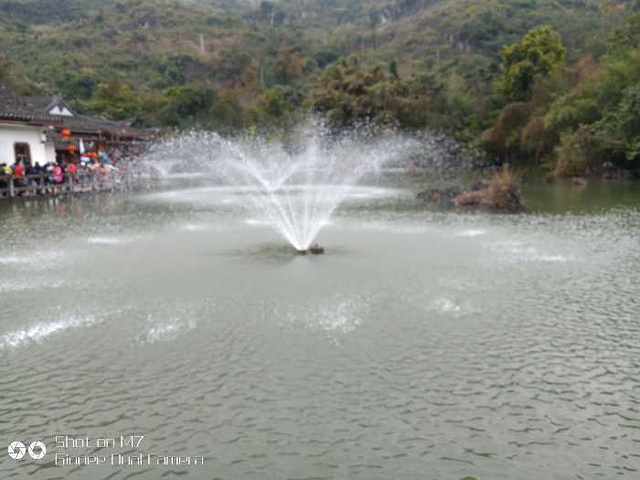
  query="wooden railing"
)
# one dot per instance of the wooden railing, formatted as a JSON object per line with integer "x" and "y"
{"x": 43, "y": 184}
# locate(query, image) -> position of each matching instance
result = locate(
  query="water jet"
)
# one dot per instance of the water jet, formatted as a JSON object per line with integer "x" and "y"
{"x": 293, "y": 186}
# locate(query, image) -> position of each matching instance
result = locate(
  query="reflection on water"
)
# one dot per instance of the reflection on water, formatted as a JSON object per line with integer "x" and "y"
{"x": 424, "y": 344}
{"x": 597, "y": 195}
{"x": 38, "y": 332}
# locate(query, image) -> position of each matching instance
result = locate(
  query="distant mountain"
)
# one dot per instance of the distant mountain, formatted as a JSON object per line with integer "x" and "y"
{"x": 151, "y": 46}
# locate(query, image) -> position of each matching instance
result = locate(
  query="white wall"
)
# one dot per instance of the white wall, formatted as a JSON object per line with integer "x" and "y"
{"x": 11, "y": 134}
{"x": 60, "y": 111}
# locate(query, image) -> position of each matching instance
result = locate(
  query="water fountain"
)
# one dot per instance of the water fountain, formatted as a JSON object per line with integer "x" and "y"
{"x": 295, "y": 184}
{"x": 418, "y": 320}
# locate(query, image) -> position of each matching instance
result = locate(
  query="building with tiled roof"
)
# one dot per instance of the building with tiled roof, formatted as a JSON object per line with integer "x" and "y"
{"x": 30, "y": 129}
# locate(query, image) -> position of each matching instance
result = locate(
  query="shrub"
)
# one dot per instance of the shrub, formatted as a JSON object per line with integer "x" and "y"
{"x": 503, "y": 192}
{"x": 580, "y": 153}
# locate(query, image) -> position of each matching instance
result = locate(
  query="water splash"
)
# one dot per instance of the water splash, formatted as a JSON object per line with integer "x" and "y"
{"x": 293, "y": 184}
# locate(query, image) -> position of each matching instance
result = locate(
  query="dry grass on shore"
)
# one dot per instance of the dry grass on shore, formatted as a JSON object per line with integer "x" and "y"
{"x": 501, "y": 193}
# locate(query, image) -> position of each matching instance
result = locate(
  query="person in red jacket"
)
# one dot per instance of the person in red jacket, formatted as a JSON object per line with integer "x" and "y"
{"x": 18, "y": 171}
{"x": 72, "y": 170}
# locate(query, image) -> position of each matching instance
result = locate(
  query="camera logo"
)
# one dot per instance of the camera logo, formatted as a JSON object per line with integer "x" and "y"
{"x": 17, "y": 450}
{"x": 37, "y": 450}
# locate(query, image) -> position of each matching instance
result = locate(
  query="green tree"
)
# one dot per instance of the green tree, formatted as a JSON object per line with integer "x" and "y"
{"x": 288, "y": 66}
{"x": 627, "y": 36}
{"x": 78, "y": 85}
{"x": 232, "y": 63}
{"x": 540, "y": 53}
{"x": 114, "y": 100}
{"x": 186, "y": 107}
{"x": 600, "y": 117}
{"x": 393, "y": 69}
{"x": 348, "y": 92}
{"x": 538, "y": 139}
{"x": 227, "y": 113}
{"x": 273, "y": 103}
{"x": 622, "y": 124}
{"x": 503, "y": 139}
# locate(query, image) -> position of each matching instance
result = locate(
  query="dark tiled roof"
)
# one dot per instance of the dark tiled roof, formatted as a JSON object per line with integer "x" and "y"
{"x": 82, "y": 123}
{"x": 35, "y": 110}
{"x": 13, "y": 107}
{"x": 47, "y": 103}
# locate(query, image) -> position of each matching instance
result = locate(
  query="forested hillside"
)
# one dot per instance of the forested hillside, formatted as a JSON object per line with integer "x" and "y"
{"x": 228, "y": 64}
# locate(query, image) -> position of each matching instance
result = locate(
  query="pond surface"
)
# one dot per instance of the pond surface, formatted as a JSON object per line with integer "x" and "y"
{"x": 424, "y": 344}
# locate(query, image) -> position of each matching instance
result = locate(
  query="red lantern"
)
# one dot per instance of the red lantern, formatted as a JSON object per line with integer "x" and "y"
{"x": 66, "y": 133}
{"x": 72, "y": 149}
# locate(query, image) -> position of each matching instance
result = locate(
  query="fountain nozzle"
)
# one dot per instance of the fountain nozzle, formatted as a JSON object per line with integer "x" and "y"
{"x": 313, "y": 250}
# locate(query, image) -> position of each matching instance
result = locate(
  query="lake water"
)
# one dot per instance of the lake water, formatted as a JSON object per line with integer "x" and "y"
{"x": 425, "y": 344}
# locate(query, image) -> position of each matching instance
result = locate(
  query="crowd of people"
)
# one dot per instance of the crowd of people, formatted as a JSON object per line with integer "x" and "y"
{"x": 81, "y": 172}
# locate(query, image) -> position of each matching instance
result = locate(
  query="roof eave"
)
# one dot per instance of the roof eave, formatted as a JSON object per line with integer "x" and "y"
{"x": 29, "y": 120}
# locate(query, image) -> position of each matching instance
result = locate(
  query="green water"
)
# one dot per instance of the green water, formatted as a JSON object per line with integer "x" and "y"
{"x": 595, "y": 196}
{"x": 424, "y": 344}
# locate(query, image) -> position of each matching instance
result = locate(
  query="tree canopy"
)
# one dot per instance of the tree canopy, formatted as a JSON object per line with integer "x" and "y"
{"x": 540, "y": 53}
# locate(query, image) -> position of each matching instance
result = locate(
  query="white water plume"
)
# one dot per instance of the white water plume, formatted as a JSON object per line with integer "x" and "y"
{"x": 293, "y": 187}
